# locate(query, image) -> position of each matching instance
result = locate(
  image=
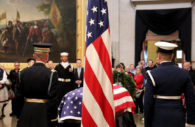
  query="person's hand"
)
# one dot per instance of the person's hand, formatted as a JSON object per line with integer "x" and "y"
{"x": 77, "y": 81}
{"x": 70, "y": 70}
{"x": 80, "y": 81}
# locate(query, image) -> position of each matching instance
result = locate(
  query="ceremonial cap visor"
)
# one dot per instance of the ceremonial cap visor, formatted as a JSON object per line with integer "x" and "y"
{"x": 42, "y": 47}
{"x": 165, "y": 47}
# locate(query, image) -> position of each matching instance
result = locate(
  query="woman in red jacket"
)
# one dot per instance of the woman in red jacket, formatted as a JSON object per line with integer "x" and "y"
{"x": 139, "y": 79}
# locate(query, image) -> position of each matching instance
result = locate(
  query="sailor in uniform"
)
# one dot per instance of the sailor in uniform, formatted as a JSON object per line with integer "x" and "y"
{"x": 165, "y": 84}
{"x": 38, "y": 86}
{"x": 65, "y": 76}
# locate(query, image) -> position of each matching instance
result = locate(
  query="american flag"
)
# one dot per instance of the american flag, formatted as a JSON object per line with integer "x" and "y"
{"x": 123, "y": 100}
{"x": 98, "y": 102}
{"x": 70, "y": 106}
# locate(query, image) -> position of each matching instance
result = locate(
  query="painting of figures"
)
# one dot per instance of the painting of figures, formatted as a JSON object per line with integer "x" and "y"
{"x": 24, "y": 22}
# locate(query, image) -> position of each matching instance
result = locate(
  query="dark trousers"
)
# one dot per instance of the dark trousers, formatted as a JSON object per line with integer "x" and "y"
{"x": 139, "y": 103}
{"x": 14, "y": 108}
{"x": 3, "y": 108}
{"x": 67, "y": 124}
{"x": 125, "y": 120}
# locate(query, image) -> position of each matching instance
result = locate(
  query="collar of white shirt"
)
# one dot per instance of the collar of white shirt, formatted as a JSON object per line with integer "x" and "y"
{"x": 164, "y": 62}
{"x": 65, "y": 64}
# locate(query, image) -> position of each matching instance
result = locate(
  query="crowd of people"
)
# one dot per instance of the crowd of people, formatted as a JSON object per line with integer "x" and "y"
{"x": 37, "y": 90}
{"x": 69, "y": 78}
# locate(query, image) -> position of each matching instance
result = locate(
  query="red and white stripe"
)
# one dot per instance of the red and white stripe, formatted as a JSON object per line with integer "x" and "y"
{"x": 123, "y": 100}
{"x": 98, "y": 101}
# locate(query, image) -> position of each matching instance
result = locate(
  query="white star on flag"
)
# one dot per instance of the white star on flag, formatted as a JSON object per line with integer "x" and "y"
{"x": 92, "y": 22}
{"x": 89, "y": 34}
{"x": 101, "y": 23}
{"x": 94, "y": 9}
{"x": 103, "y": 11}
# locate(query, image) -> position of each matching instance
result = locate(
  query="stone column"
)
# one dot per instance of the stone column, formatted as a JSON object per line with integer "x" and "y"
{"x": 127, "y": 32}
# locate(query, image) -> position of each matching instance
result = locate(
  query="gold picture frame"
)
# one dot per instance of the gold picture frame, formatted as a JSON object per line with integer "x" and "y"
{"x": 80, "y": 35}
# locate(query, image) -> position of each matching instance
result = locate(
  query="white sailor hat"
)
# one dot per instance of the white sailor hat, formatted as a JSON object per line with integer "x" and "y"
{"x": 165, "y": 47}
{"x": 64, "y": 54}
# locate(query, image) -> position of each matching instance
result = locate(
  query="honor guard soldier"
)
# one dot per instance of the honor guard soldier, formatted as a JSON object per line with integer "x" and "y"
{"x": 65, "y": 76}
{"x": 165, "y": 84}
{"x": 38, "y": 86}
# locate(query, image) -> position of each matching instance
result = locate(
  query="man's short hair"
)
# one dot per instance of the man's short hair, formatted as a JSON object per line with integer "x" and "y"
{"x": 118, "y": 66}
{"x": 166, "y": 56}
{"x": 150, "y": 60}
{"x": 29, "y": 59}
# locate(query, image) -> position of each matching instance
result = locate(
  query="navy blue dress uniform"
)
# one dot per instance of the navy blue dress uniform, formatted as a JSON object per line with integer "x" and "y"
{"x": 165, "y": 84}
{"x": 65, "y": 78}
{"x": 192, "y": 75}
{"x": 38, "y": 86}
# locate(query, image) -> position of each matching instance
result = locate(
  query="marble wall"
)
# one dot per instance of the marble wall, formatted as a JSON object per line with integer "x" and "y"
{"x": 122, "y": 26}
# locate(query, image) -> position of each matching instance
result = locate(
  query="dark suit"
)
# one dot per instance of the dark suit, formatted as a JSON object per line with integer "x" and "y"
{"x": 77, "y": 77}
{"x": 192, "y": 75}
{"x": 170, "y": 81}
{"x": 34, "y": 83}
{"x": 14, "y": 78}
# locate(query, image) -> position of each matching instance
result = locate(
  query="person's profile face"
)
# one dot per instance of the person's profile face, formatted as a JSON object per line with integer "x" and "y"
{"x": 30, "y": 63}
{"x": 186, "y": 66}
{"x": 50, "y": 65}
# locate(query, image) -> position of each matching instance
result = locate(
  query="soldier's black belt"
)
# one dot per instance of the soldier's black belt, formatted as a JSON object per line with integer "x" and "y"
{"x": 167, "y": 97}
{"x": 64, "y": 80}
{"x": 32, "y": 100}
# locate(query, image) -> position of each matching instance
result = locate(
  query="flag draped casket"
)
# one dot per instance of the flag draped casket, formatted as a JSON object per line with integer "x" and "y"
{"x": 71, "y": 104}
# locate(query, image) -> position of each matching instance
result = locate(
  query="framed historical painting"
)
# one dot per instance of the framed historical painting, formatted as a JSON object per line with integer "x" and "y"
{"x": 24, "y": 22}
